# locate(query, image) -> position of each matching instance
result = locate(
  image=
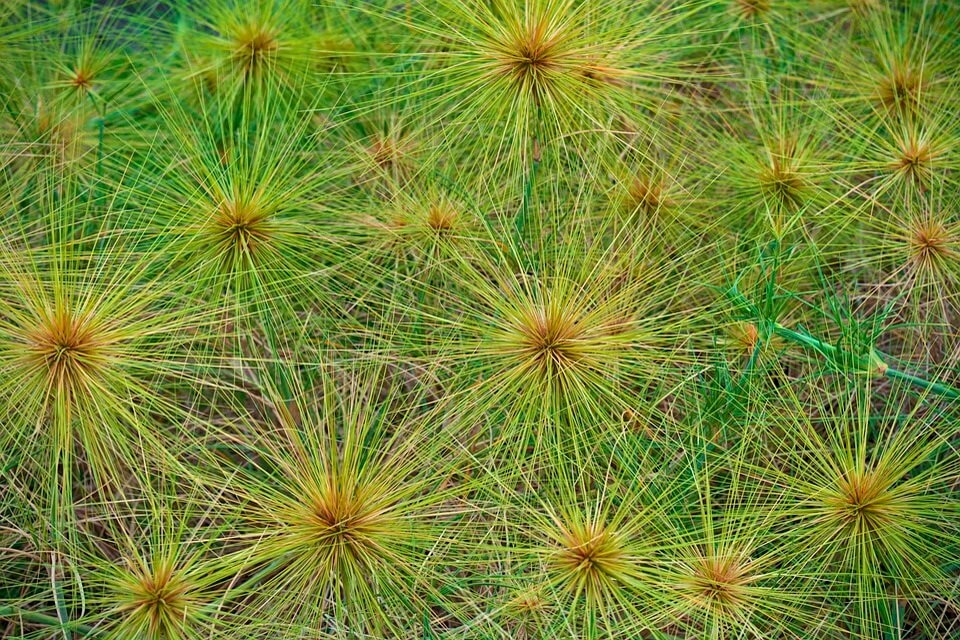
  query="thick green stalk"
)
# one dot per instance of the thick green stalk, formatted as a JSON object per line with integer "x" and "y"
{"x": 877, "y": 364}
{"x": 42, "y": 618}
{"x": 528, "y": 189}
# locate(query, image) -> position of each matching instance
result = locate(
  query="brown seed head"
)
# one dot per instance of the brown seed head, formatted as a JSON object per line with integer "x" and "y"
{"x": 930, "y": 243}
{"x": 81, "y": 79}
{"x": 780, "y": 178}
{"x": 72, "y": 348}
{"x": 862, "y": 501}
{"x": 441, "y": 216}
{"x": 161, "y": 597}
{"x": 720, "y": 581}
{"x": 346, "y": 522}
{"x": 648, "y": 194}
{"x": 531, "y": 50}
{"x": 392, "y": 151}
{"x": 901, "y": 86}
{"x": 550, "y": 337}
{"x": 590, "y": 557}
{"x": 744, "y": 336}
{"x": 240, "y": 226}
{"x": 751, "y": 8}
{"x": 255, "y": 46}
{"x": 914, "y": 159}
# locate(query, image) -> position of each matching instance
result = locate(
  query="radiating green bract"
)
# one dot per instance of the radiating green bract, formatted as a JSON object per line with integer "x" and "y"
{"x": 480, "y": 319}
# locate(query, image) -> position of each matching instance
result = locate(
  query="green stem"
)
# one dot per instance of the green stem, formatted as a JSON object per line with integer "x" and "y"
{"x": 528, "y": 189}
{"x": 804, "y": 339}
{"x": 535, "y": 156}
{"x": 878, "y": 363}
{"x": 888, "y": 371}
{"x": 935, "y": 387}
{"x": 42, "y": 618}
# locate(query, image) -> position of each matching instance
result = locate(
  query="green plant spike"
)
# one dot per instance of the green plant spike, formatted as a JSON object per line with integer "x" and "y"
{"x": 876, "y": 364}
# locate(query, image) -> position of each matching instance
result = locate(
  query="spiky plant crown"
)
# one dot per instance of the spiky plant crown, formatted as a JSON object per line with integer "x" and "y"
{"x": 545, "y": 344}
{"x": 86, "y": 352}
{"x": 153, "y": 569}
{"x": 343, "y": 502}
{"x": 238, "y": 50}
{"x": 861, "y": 499}
{"x": 493, "y": 319}
{"x": 581, "y": 559}
{"x": 562, "y": 67}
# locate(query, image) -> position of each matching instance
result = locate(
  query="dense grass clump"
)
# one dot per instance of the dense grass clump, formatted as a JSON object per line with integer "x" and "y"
{"x": 481, "y": 319}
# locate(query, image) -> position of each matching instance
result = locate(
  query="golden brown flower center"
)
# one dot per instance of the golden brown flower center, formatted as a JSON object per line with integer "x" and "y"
{"x": 745, "y": 335}
{"x": 344, "y": 521}
{"x": 81, "y": 79}
{"x": 589, "y": 552}
{"x": 441, "y": 217}
{"x": 930, "y": 241}
{"x": 528, "y": 602}
{"x": 721, "y": 581}
{"x": 532, "y": 51}
{"x": 69, "y": 346}
{"x": 914, "y": 160}
{"x": 529, "y": 53}
{"x": 391, "y": 150}
{"x": 161, "y": 597}
{"x": 550, "y": 338}
{"x": 862, "y": 500}
{"x": 336, "y": 520}
{"x": 752, "y": 8}
{"x": 780, "y": 176}
{"x": 781, "y": 179}
{"x": 242, "y": 225}
{"x": 254, "y": 45}
{"x": 261, "y": 43}
{"x": 647, "y": 194}
{"x": 901, "y": 87}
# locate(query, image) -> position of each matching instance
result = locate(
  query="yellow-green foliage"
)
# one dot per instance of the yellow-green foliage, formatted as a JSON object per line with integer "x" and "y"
{"x": 480, "y": 319}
